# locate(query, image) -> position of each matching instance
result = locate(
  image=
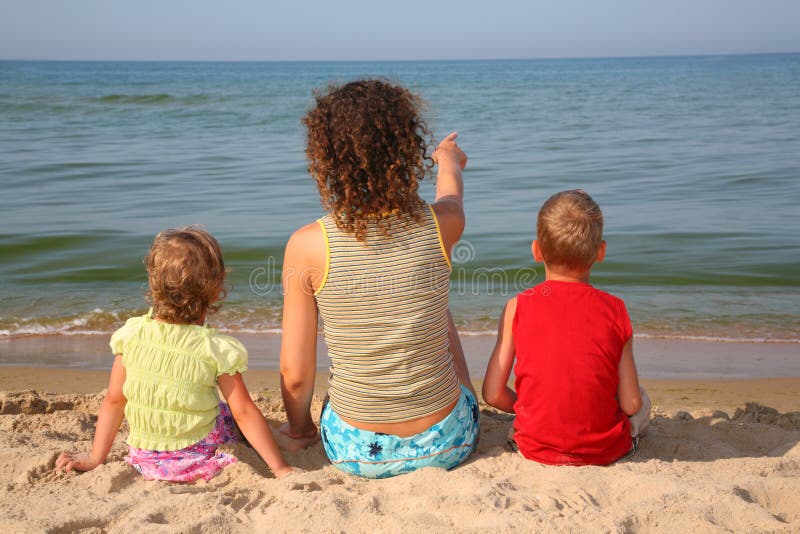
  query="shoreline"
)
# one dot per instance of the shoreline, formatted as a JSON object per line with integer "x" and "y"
{"x": 656, "y": 358}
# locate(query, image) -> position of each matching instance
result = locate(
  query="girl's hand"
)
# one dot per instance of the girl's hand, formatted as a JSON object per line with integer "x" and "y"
{"x": 291, "y": 441}
{"x": 448, "y": 152}
{"x": 108, "y": 420}
{"x": 81, "y": 461}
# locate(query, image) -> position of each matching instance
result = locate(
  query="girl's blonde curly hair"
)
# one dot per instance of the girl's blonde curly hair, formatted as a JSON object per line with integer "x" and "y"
{"x": 186, "y": 274}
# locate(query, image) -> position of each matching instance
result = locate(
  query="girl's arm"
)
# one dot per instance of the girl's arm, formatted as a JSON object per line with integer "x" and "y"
{"x": 495, "y": 385}
{"x": 304, "y": 268}
{"x": 449, "y": 206}
{"x": 628, "y": 395}
{"x": 108, "y": 420}
{"x": 252, "y": 423}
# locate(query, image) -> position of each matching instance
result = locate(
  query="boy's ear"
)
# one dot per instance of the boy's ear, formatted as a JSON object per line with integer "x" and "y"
{"x": 601, "y": 252}
{"x": 536, "y": 251}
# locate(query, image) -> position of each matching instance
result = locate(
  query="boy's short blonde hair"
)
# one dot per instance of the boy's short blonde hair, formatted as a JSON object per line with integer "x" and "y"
{"x": 186, "y": 274}
{"x": 569, "y": 229}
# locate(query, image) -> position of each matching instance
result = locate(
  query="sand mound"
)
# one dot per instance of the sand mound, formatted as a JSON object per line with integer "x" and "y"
{"x": 699, "y": 471}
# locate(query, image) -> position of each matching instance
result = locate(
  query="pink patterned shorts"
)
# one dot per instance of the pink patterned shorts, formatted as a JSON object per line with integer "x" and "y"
{"x": 200, "y": 460}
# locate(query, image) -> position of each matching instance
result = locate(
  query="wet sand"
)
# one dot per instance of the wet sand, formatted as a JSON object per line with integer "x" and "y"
{"x": 655, "y": 358}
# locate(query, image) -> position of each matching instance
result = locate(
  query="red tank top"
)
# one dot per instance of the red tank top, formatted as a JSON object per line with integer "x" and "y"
{"x": 569, "y": 338}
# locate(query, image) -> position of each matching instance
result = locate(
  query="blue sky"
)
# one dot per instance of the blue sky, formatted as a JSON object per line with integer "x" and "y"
{"x": 380, "y": 30}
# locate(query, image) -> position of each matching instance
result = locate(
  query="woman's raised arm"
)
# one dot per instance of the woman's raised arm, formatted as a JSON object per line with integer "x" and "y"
{"x": 449, "y": 205}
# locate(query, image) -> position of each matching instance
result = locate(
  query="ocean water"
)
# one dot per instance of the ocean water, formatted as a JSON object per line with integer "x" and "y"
{"x": 695, "y": 162}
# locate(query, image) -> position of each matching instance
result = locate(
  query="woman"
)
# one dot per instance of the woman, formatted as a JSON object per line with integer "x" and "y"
{"x": 377, "y": 270}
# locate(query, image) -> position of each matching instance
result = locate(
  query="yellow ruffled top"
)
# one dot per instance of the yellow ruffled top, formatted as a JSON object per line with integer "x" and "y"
{"x": 171, "y": 375}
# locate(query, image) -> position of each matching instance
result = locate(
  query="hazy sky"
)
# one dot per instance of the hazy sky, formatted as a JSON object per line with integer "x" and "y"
{"x": 405, "y": 29}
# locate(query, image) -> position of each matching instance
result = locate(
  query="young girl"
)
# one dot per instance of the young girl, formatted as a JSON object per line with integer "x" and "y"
{"x": 167, "y": 368}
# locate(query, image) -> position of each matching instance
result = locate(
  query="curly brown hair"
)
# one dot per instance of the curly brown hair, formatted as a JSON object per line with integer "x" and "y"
{"x": 186, "y": 275}
{"x": 367, "y": 147}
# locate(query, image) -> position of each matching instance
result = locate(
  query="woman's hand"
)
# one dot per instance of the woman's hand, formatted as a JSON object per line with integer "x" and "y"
{"x": 293, "y": 441}
{"x": 286, "y": 471}
{"x": 448, "y": 152}
{"x": 81, "y": 461}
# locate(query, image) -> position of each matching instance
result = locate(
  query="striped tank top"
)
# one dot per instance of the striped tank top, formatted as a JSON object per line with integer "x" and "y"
{"x": 384, "y": 305}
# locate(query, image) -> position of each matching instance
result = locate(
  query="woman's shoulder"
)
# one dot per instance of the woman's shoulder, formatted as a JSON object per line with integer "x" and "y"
{"x": 308, "y": 235}
{"x": 307, "y": 246}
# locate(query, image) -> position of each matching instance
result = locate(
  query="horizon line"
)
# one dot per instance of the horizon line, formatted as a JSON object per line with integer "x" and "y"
{"x": 429, "y": 60}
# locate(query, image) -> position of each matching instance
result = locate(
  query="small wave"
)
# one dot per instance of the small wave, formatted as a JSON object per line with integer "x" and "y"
{"x": 477, "y": 333}
{"x": 105, "y": 322}
{"x": 156, "y": 98}
{"x": 31, "y": 332}
{"x": 66, "y": 330}
{"x": 267, "y": 320}
{"x": 94, "y": 322}
{"x": 136, "y": 99}
{"x": 73, "y": 328}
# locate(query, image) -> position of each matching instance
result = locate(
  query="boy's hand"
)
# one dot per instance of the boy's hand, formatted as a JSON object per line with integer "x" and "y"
{"x": 292, "y": 441}
{"x": 81, "y": 461}
{"x": 448, "y": 152}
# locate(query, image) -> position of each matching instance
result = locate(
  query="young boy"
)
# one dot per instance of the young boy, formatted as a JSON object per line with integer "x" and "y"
{"x": 576, "y": 397}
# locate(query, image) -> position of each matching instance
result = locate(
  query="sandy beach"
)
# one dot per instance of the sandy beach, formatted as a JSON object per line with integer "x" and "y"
{"x": 721, "y": 455}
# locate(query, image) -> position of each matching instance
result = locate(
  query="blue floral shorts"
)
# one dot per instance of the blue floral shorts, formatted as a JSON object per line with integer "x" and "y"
{"x": 376, "y": 455}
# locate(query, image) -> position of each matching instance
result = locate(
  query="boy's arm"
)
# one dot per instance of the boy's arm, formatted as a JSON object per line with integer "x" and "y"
{"x": 630, "y": 400}
{"x": 252, "y": 423}
{"x": 495, "y": 385}
{"x": 109, "y": 419}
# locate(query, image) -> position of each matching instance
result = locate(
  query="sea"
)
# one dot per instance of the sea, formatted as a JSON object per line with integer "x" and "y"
{"x": 695, "y": 162}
